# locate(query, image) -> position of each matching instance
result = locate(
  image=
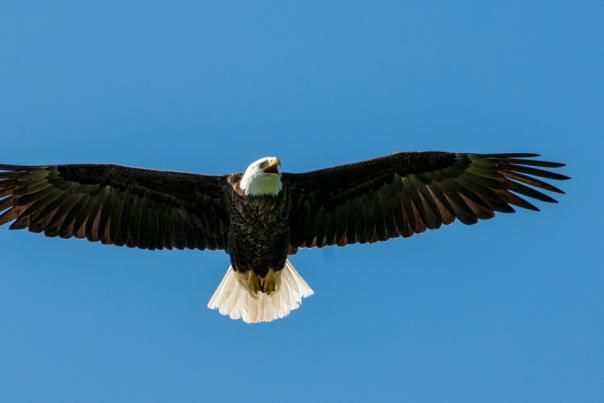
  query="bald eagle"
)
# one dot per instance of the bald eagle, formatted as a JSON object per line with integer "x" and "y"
{"x": 261, "y": 216}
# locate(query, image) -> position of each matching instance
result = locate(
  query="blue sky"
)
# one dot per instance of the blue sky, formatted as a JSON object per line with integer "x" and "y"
{"x": 509, "y": 310}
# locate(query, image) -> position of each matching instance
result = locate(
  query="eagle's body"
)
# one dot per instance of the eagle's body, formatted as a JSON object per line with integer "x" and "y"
{"x": 258, "y": 238}
{"x": 260, "y": 216}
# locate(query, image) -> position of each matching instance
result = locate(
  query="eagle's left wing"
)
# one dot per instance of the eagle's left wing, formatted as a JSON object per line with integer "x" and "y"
{"x": 407, "y": 193}
{"x": 116, "y": 205}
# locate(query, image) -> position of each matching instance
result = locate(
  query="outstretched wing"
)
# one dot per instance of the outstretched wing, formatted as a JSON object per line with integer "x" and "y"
{"x": 116, "y": 205}
{"x": 407, "y": 193}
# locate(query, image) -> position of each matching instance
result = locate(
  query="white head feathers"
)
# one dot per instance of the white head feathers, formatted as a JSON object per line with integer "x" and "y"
{"x": 262, "y": 178}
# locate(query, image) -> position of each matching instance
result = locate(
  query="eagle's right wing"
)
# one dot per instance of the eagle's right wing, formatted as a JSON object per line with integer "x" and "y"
{"x": 116, "y": 205}
{"x": 407, "y": 193}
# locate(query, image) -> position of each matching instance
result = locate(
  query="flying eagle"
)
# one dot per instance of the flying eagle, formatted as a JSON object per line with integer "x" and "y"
{"x": 261, "y": 216}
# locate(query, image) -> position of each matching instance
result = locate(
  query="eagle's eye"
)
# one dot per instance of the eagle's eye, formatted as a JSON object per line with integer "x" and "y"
{"x": 263, "y": 164}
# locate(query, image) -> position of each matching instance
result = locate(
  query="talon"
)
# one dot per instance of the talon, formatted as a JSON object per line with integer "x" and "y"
{"x": 269, "y": 282}
{"x": 253, "y": 282}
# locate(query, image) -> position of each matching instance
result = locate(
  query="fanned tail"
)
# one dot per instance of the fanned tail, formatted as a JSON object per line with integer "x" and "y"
{"x": 234, "y": 298}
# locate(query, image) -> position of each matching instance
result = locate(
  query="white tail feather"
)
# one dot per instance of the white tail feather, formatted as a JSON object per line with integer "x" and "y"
{"x": 234, "y": 298}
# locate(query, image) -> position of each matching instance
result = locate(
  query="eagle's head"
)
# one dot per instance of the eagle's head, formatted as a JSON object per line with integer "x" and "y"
{"x": 262, "y": 178}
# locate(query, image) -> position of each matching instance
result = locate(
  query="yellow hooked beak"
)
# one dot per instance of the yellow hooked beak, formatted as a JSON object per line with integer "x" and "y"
{"x": 273, "y": 167}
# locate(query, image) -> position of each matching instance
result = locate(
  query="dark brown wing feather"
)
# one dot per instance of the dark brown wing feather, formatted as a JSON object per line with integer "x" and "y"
{"x": 406, "y": 193}
{"x": 116, "y": 205}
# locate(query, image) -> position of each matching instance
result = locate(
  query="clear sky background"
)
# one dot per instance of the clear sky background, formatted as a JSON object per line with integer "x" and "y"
{"x": 508, "y": 310}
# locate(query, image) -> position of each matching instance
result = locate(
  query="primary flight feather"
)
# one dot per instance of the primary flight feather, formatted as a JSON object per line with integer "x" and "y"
{"x": 260, "y": 216}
